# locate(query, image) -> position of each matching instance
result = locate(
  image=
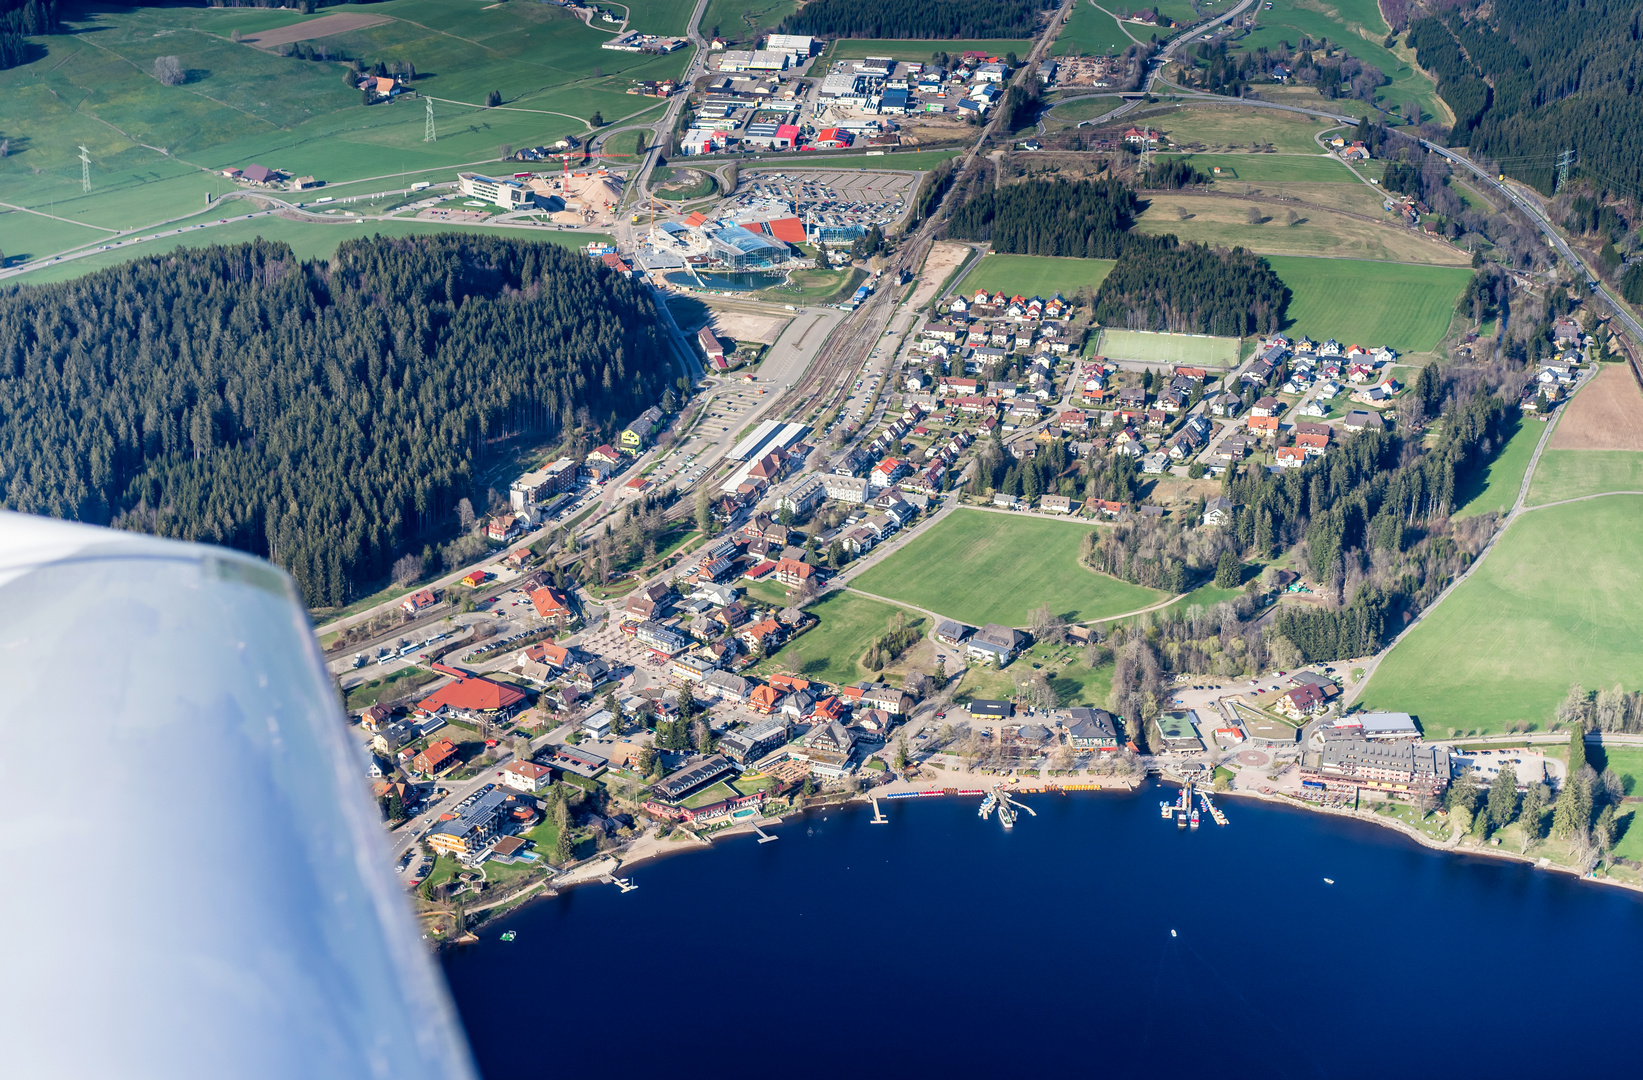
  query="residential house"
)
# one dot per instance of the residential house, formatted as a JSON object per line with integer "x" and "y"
{"x": 995, "y": 642}
{"x": 1055, "y": 504}
{"x": 526, "y": 775}
{"x": 551, "y": 604}
{"x": 726, "y": 687}
{"x": 435, "y": 758}
{"x": 419, "y": 600}
{"x": 1218, "y": 511}
{"x": 765, "y": 634}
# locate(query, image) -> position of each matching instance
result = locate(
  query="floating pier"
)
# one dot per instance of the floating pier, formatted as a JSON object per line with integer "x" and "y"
{"x": 878, "y": 814}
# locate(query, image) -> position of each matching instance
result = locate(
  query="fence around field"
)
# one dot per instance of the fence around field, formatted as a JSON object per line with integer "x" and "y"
{"x": 1194, "y": 350}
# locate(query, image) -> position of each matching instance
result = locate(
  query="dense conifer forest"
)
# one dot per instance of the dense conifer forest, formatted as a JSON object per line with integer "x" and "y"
{"x": 20, "y": 19}
{"x": 326, "y": 415}
{"x": 1089, "y": 219}
{"x": 1162, "y": 284}
{"x": 1528, "y": 78}
{"x": 934, "y": 19}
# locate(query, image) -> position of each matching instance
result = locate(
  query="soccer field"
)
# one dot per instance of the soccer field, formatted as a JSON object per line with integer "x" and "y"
{"x": 1553, "y": 605}
{"x": 1196, "y": 350}
{"x": 981, "y": 567}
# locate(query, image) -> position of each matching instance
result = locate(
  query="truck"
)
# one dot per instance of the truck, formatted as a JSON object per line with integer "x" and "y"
{"x": 421, "y": 185}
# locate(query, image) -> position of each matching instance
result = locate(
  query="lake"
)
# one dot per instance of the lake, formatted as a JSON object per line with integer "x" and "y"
{"x": 940, "y": 945}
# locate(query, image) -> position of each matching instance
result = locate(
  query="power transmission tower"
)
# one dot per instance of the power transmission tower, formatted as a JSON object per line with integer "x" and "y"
{"x": 428, "y": 134}
{"x": 1564, "y": 161}
{"x": 85, "y": 168}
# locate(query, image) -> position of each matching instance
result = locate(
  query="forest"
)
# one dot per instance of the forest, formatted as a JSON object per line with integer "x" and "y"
{"x": 934, "y": 19}
{"x": 329, "y": 415}
{"x": 1529, "y": 78}
{"x": 1319, "y": 64}
{"x": 1192, "y": 289}
{"x": 20, "y": 19}
{"x": 1089, "y": 219}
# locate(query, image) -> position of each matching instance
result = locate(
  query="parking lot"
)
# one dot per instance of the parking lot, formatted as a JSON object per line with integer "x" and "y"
{"x": 837, "y": 198}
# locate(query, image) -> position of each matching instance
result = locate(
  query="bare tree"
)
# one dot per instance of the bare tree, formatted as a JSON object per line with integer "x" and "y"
{"x": 168, "y": 70}
{"x": 1048, "y": 626}
{"x": 465, "y": 514}
{"x": 407, "y": 569}
{"x": 1255, "y": 215}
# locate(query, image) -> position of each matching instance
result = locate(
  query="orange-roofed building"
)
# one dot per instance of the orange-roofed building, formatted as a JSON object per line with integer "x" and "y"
{"x": 550, "y": 603}
{"x": 789, "y": 230}
{"x": 793, "y": 572}
{"x": 764, "y": 699}
{"x": 472, "y": 697}
{"x": 436, "y": 756}
{"x": 606, "y": 453}
{"x": 830, "y": 709}
{"x": 789, "y": 683}
{"x": 696, "y": 219}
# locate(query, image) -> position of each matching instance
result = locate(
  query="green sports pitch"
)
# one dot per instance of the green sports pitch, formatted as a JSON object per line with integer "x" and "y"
{"x": 1195, "y": 350}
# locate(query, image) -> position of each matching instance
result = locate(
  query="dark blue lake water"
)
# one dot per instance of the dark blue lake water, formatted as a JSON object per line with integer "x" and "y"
{"x": 939, "y": 945}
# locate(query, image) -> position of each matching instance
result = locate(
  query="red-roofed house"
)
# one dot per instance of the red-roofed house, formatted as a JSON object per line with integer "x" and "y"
{"x": 436, "y": 756}
{"x": 887, "y": 472}
{"x": 711, "y": 347}
{"x": 793, "y": 572}
{"x": 765, "y": 634}
{"x": 764, "y": 569}
{"x": 419, "y": 600}
{"x": 830, "y": 709}
{"x": 606, "y": 453}
{"x": 1262, "y": 425}
{"x": 474, "y": 578}
{"x": 764, "y": 699}
{"x": 526, "y": 775}
{"x": 696, "y": 219}
{"x": 550, "y": 603}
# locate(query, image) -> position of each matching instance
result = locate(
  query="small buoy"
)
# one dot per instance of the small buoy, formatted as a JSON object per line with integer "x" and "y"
{"x": 1172, "y": 933}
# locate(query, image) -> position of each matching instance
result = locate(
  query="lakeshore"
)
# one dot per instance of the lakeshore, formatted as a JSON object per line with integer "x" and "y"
{"x": 917, "y": 908}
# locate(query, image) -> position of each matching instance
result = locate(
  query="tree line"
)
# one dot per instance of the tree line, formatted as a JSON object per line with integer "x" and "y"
{"x": 935, "y": 19}
{"x": 1528, "y": 78}
{"x": 1088, "y": 219}
{"x": 326, "y": 415}
{"x": 20, "y": 20}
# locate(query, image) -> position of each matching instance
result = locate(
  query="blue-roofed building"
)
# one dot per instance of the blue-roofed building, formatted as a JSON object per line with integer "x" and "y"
{"x": 897, "y": 102}
{"x": 740, "y": 248}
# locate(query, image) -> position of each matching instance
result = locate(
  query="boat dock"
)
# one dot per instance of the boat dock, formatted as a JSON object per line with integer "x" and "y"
{"x": 878, "y": 813}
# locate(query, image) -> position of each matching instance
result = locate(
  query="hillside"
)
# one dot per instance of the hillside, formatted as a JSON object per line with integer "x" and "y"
{"x": 327, "y": 416}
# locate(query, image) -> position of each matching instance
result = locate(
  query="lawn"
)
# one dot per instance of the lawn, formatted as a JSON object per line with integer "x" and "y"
{"x": 1199, "y": 350}
{"x": 395, "y": 685}
{"x": 1554, "y": 604}
{"x": 1074, "y": 682}
{"x": 740, "y": 21}
{"x": 1083, "y": 108}
{"x": 1217, "y": 220}
{"x": 309, "y": 240}
{"x": 1033, "y": 275}
{"x": 1407, "y": 308}
{"x": 856, "y": 48}
{"x": 982, "y": 567}
{"x": 1237, "y": 127}
{"x": 1092, "y": 32}
{"x": 682, "y": 185}
{"x": 1569, "y": 474}
{"x": 1501, "y": 480}
{"x": 1257, "y": 168}
{"x": 1358, "y": 26}
{"x": 832, "y": 649}
{"x": 156, "y": 150}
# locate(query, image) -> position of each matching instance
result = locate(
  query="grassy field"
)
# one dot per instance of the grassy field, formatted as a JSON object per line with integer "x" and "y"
{"x": 1569, "y": 474}
{"x": 1220, "y": 221}
{"x": 156, "y": 150}
{"x": 832, "y": 649}
{"x": 1032, "y": 275}
{"x": 1496, "y": 490}
{"x": 1197, "y": 350}
{"x": 1507, "y": 644}
{"x": 1298, "y": 167}
{"x": 682, "y": 185}
{"x": 1092, "y": 32}
{"x": 742, "y": 20}
{"x": 309, "y": 240}
{"x": 1405, "y": 307}
{"x": 1360, "y": 28}
{"x": 856, "y": 48}
{"x": 1084, "y": 108}
{"x": 1236, "y": 127}
{"x": 982, "y": 567}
